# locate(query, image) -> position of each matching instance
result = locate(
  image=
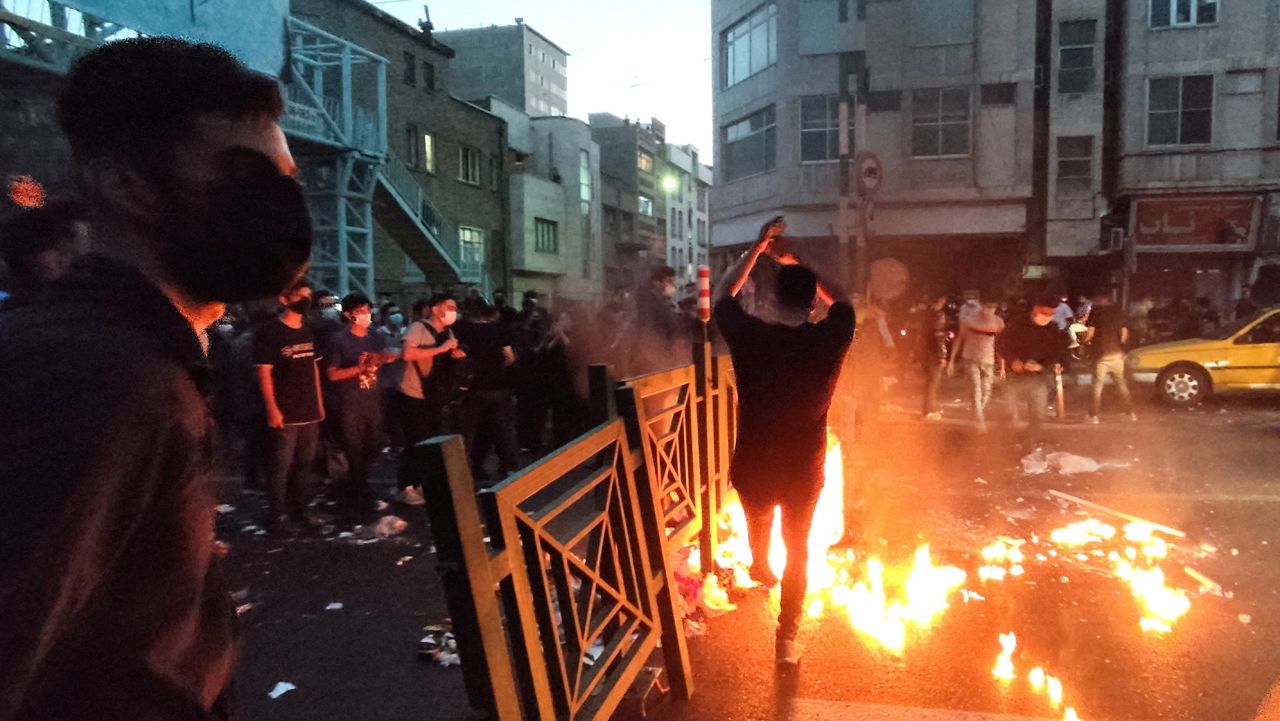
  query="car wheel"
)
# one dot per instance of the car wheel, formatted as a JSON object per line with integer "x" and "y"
{"x": 1183, "y": 385}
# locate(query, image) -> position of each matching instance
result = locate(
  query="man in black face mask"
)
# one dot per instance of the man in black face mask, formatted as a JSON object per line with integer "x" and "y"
{"x": 113, "y": 603}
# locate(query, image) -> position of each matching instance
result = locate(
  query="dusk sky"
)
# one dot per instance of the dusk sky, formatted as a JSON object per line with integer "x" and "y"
{"x": 641, "y": 60}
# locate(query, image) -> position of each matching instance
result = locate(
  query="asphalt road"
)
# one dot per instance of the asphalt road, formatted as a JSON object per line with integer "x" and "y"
{"x": 1209, "y": 472}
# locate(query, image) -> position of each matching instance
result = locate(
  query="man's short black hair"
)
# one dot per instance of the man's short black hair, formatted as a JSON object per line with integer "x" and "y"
{"x": 37, "y": 230}
{"x": 354, "y": 300}
{"x": 438, "y": 298}
{"x": 797, "y": 286}
{"x": 662, "y": 274}
{"x": 137, "y": 96}
{"x": 385, "y": 310}
{"x": 1046, "y": 301}
{"x": 296, "y": 286}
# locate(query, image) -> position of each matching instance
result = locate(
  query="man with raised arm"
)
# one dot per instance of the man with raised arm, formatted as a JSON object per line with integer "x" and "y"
{"x": 786, "y": 372}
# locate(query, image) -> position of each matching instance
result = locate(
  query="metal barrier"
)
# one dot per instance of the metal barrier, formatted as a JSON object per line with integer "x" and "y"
{"x": 558, "y": 579}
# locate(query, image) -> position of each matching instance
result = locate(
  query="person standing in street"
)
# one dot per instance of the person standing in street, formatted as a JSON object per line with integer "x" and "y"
{"x": 1032, "y": 350}
{"x": 933, "y": 355}
{"x": 975, "y": 346}
{"x": 1246, "y": 306}
{"x": 487, "y": 411}
{"x": 1105, "y": 341}
{"x": 656, "y": 344}
{"x": 786, "y": 372}
{"x": 428, "y": 385}
{"x": 114, "y": 603}
{"x": 289, "y": 378}
{"x": 357, "y": 354}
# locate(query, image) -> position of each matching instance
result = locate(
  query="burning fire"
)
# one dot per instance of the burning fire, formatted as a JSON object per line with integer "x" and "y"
{"x": 884, "y": 604}
{"x": 1138, "y": 567}
{"x": 1004, "y": 662}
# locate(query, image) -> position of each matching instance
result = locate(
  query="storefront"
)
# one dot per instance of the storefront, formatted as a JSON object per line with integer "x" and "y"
{"x": 1192, "y": 247}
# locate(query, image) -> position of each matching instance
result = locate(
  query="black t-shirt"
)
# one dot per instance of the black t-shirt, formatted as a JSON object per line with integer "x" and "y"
{"x": 358, "y": 394}
{"x": 1025, "y": 341}
{"x": 291, "y": 353}
{"x": 1108, "y": 326}
{"x": 483, "y": 344}
{"x": 786, "y": 376}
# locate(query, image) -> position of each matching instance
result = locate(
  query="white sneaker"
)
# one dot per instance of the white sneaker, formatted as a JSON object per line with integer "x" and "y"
{"x": 411, "y": 496}
{"x": 1092, "y": 420}
{"x": 934, "y": 416}
{"x": 1133, "y": 417}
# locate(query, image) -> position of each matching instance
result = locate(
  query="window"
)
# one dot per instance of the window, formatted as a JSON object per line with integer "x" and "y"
{"x": 940, "y": 122}
{"x": 471, "y": 245}
{"x": 1183, "y": 13}
{"x": 414, "y": 157}
{"x": 749, "y": 145}
{"x": 584, "y": 181}
{"x": 469, "y": 165}
{"x": 410, "y": 69}
{"x": 428, "y": 76}
{"x": 645, "y": 204}
{"x": 751, "y": 45}
{"x": 884, "y": 101}
{"x": 702, "y": 199}
{"x": 1180, "y": 110}
{"x": 545, "y": 236}
{"x": 1075, "y": 164}
{"x": 1075, "y": 56}
{"x": 495, "y": 172}
{"x": 675, "y": 229}
{"x": 820, "y": 128}
{"x": 679, "y": 231}
{"x": 941, "y": 22}
{"x": 644, "y": 161}
{"x": 428, "y": 152}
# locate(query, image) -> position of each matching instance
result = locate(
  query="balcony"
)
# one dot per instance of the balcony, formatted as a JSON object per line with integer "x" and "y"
{"x": 49, "y": 36}
{"x": 320, "y": 106}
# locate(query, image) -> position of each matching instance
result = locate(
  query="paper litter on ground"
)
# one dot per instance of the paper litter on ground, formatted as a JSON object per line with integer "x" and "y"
{"x": 281, "y": 688}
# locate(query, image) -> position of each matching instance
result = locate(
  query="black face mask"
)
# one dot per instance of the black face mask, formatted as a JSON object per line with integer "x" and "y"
{"x": 302, "y": 305}
{"x": 245, "y": 236}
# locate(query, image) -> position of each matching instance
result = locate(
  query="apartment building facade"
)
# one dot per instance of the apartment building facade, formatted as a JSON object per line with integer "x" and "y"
{"x": 685, "y": 184}
{"x": 514, "y": 62}
{"x": 942, "y": 93}
{"x": 634, "y": 205}
{"x": 1197, "y": 190}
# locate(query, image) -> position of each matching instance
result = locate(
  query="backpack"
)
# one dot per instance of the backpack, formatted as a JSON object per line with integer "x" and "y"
{"x": 447, "y": 379}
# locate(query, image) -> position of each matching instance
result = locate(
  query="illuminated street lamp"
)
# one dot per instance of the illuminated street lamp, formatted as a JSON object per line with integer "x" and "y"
{"x": 670, "y": 183}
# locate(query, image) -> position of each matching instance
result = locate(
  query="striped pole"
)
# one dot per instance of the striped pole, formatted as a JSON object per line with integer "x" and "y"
{"x": 704, "y": 294}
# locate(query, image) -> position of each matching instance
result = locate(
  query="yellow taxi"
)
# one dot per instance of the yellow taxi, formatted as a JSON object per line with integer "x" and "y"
{"x": 1244, "y": 355}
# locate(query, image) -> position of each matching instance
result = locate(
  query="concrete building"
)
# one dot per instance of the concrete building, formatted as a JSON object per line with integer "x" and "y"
{"x": 555, "y": 206}
{"x": 514, "y": 62}
{"x": 948, "y": 107}
{"x": 440, "y": 204}
{"x": 685, "y": 183}
{"x": 1197, "y": 192}
{"x": 634, "y": 206}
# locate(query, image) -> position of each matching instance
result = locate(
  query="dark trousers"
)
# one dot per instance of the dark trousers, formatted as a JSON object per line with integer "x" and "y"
{"x": 293, "y": 450}
{"x": 533, "y": 401}
{"x": 488, "y": 422}
{"x": 360, "y": 436}
{"x": 932, "y": 379}
{"x": 797, "y": 518}
{"x": 420, "y": 420}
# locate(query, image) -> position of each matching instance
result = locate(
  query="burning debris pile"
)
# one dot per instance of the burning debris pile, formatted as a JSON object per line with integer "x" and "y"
{"x": 893, "y": 602}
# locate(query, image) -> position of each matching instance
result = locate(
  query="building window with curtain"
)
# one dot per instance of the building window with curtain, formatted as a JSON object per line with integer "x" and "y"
{"x": 1180, "y": 110}
{"x": 750, "y": 45}
{"x": 1075, "y": 165}
{"x": 413, "y": 157}
{"x": 1183, "y": 13}
{"x": 644, "y": 161}
{"x": 749, "y": 144}
{"x": 410, "y": 69}
{"x": 471, "y": 247}
{"x": 940, "y": 122}
{"x": 584, "y": 181}
{"x": 429, "y": 152}
{"x": 820, "y": 128}
{"x": 645, "y": 205}
{"x": 545, "y": 236}
{"x": 1075, "y": 56}
{"x": 469, "y": 165}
